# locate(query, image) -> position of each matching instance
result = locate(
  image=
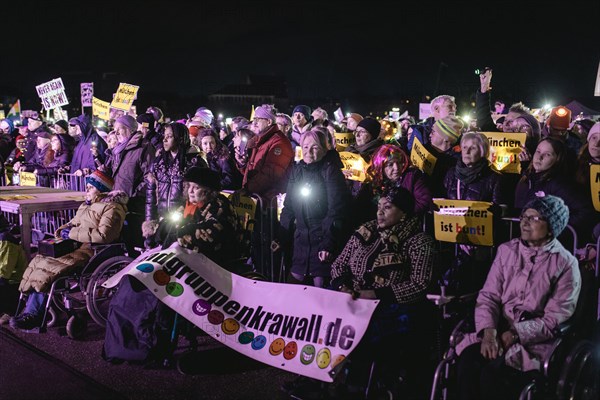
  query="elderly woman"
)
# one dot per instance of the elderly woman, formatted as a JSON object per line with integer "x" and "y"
{"x": 219, "y": 159}
{"x": 391, "y": 167}
{"x": 532, "y": 287}
{"x": 367, "y": 138}
{"x": 317, "y": 202}
{"x": 138, "y": 324}
{"x": 98, "y": 220}
{"x": 392, "y": 260}
{"x": 546, "y": 174}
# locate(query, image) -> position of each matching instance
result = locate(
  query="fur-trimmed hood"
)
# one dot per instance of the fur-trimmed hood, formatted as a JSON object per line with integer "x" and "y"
{"x": 116, "y": 196}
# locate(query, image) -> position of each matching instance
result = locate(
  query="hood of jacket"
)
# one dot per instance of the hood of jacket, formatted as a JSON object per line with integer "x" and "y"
{"x": 116, "y": 196}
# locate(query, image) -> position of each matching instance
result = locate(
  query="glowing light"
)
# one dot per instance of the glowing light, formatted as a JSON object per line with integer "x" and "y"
{"x": 175, "y": 216}
{"x": 395, "y": 109}
{"x": 561, "y": 112}
{"x": 305, "y": 191}
{"x": 467, "y": 118}
{"x": 347, "y": 115}
{"x": 228, "y": 120}
{"x": 220, "y": 116}
{"x": 547, "y": 107}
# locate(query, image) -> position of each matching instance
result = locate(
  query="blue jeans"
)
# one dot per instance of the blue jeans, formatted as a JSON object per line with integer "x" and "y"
{"x": 35, "y": 303}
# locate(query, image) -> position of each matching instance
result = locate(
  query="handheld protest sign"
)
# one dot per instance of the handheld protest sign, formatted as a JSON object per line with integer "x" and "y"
{"x": 52, "y": 94}
{"x": 595, "y": 185}
{"x": 126, "y": 94}
{"x": 343, "y": 140}
{"x": 505, "y": 148}
{"x": 101, "y": 109}
{"x": 27, "y": 179}
{"x": 355, "y": 164}
{"x": 463, "y": 221}
{"x": 87, "y": 93}
{"x": 421, "y": 158}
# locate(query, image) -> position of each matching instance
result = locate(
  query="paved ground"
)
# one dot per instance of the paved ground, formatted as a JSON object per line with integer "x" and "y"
{"x": 52, "y": 366}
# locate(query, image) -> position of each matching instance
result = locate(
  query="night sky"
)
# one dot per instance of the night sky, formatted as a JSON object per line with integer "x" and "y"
{"x": 540, "y": 51}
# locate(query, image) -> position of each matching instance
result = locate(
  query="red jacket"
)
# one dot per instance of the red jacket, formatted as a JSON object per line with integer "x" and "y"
{"x": 271, "y": 157}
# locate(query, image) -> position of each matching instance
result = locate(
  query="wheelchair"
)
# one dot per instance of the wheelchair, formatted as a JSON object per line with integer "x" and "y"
{"x": 79, "y": 292}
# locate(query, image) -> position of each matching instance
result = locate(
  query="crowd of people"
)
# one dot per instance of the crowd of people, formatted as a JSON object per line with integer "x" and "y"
{"x": 365, "y": 238}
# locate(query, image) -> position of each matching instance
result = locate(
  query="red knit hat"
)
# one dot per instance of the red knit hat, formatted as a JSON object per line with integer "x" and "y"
{"x": 560, "y": 118}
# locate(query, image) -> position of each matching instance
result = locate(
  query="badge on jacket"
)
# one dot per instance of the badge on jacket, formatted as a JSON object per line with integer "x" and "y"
{"x": 277, "y": 151}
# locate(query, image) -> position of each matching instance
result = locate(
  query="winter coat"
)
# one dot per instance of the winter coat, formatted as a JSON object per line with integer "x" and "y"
{"x": 12, "y": 258}
{"x": 421, "y": 131}
{"x": 231, "y": 179}
{"x": 98, "y": 222}
{"x": 319, "y": 217}
{"x": 366, "y": 150}
{"x": 271, "y": 157}
{"x": 444, "y": 162}
{"x": 397, "y": 263}
{"x": 82, "y": 155}
{"x": 31, "y": 142}
{"x": 128, "y": 168}
{"x": 212, "y": 230}
{"x": 487, "y": 187}
{"x": 581, "y": 211}
{"x": 166, "y": 192}
{"x": 534, "y": 290}
{"x": 296, "y": 134}
{"x": 413, "y": 180}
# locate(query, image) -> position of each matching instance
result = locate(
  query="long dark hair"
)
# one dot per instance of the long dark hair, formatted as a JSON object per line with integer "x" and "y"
{"x": 221, "y": 150}
{"x": 558, "y": 168}
{"x": 181, "y": 134}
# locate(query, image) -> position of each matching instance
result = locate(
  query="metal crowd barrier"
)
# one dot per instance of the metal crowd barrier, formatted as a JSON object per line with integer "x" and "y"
{"x": 70, "y": 182}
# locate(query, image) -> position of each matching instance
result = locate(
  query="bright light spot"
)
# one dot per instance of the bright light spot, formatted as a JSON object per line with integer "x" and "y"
{"x": 561, "y": 112}
{"x": 395, "y": 109}
{"x": 347, "y": 115}
{"x": 228, "y": 120}
{"x": 547, "y": 106}
{"x": 467, "y": 118}
{"x": 305, "y": 191}
{"x": 175, "y": 216}
{"x": 220, "y": 116}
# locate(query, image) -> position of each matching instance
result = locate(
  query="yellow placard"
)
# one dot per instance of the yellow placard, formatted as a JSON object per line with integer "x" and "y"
{"x": 421, "y": 158}
{"x": 124, "y": 97}
{"x": 343, "y": 140}
{"x": 100, "y": 108}
{"x": 298, "y": 155}
{"x": 595, "y": 185}
{"x": 27, "y": 179}
{"x": 505, "y": 148}
{"x": 463, "y": 221}
{"x": 355, "y": 164}
{"x": 245, "y": 209}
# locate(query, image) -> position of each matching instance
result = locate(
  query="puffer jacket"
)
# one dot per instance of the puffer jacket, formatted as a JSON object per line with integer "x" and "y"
{"x": 543, "y": 283}
{"x": 82, "y": 154}
{"x": 487, "y": 187}
{"x": 319, "y": 217}
{"x": 166, "y": 191}
{"x": 128, "y": 168}
{"x": 231, "y": 179}
{"x": 271, "y": 157}
{"x": 98, "y": 222}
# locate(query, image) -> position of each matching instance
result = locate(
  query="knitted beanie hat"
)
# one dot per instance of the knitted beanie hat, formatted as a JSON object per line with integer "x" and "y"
{"x": 594, "y": 129}
{"x": 100, "y": 181}
{"x": 450, "y": 127}
{"x": 372, "y": 126}
{"x": 554, "y": 211}
{"x": 265, "y": 111}
{"x": 129, "y": 122}
{"x": 560, "y": 118}
{"x": 304, "y": 110}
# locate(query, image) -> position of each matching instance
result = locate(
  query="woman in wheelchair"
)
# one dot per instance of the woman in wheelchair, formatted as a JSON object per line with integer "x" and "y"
{"x": 139, "y": 325}
{"x": 532, "y": 287}
{"x": 98, "y": 220}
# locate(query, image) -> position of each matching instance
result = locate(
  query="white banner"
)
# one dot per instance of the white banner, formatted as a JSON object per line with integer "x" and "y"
{"x": 298, "y": 328}
{"x": 424, "y": 110}
{"x": 52, "y": 94}
{"x": 87, "y": 93}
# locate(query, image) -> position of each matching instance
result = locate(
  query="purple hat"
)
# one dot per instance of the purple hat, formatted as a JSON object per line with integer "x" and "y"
{"x": 129, "y": 122}
{"x": 265, "y": 111}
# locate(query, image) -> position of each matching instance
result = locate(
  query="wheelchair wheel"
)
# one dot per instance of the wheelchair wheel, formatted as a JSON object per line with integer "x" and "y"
{"x": 98, "y": 297}
{"x": 255, "y": 276}
{"x": 578, "y": 377}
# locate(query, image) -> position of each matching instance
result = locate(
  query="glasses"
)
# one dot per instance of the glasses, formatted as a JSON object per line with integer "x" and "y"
{"x": 362, "y": 131}
{"x": 531, "y": 218}
{"x": 255, "y": 120}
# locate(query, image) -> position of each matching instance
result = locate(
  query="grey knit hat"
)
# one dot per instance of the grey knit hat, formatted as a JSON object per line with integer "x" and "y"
{"x": 129, "y": 122}
{"x": 553, "y": 209}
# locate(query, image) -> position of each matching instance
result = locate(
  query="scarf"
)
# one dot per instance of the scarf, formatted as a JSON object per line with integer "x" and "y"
{"x": 470, "y": 174}
{"x": 190, "y": 209}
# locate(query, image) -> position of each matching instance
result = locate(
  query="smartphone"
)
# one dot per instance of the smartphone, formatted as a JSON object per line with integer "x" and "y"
{"x": 243, "y": 144}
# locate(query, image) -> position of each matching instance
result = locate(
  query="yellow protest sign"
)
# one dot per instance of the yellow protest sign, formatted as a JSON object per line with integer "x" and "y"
{"x": 355, "y": 164}
{"x": 463, "y": 221}
{"x": 505, "y": 148}
{"x": 421, "y": 158}
{"x": 595, "y": 185}
{"x": 245, "y": 209}
{"x": 124, "y": 97}
{"x": 27, "y": 179}
{"x": 100, "y": 108}
{"x": 343, "y": 140}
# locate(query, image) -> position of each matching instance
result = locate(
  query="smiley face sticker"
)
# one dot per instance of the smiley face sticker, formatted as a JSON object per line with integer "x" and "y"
{"x": 145, "y": 267}
{"x": 201, "y": 307}
{"x": 323, "y": 358}
{"x": 290, "y": 350}
{"x": 246, "y": 337}
{"x": 215, "y": 317}
{"x": 174, "y": 289}
{"x": 259, "y": 342}
{"x": 230, "y": 326}
{"x": 161, "y": 277}
{"x": 307, "y": 355}
{"x": 276, "y": 347}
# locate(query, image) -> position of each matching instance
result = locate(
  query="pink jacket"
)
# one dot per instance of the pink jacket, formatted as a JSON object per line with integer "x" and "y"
{"x": 542, "y": 281}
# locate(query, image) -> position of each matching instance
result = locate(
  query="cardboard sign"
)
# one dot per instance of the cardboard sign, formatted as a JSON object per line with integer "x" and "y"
{"x": 422, "y": 158}
{"x": 463, "y": 221}
{"x": 126, "y": 94}
{"x": 52, "y": 94}
{"x": 338, "y": 115}
{"x": 505, "y": 149}
{"x": 245, "y": 210}
{"x": 595, "y": 185}
{"x": 87, "y": 93}
{"x": 343, "y": 140}
{"x": 59, "y": 114}
{"x": 424, "y": 110}
{"x": 300, "y": 329}
{"x": 27, "y": 179}
{"x": 100, "y": 109}
{"x": 355, "y": 164}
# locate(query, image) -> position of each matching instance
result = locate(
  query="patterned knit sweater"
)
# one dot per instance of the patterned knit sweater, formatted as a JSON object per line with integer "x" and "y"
{"x": 398, "y": 263}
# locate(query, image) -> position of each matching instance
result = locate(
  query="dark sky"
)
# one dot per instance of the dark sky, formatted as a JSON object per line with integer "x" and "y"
{"x": 545, "y": 51}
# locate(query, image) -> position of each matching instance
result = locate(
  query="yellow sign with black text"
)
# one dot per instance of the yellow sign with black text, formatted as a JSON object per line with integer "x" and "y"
{"x": 343, "y": 140}
{"x": 27, "y": 179}
{"x": 421, "y": 158}
{"x": 505, "y": 148}
{"x": 595, "y": 185}
{"x": 100, "y": 108}
{"x": 124, "y": 97}
{"x": 463, "y": 221}
{"x": 355, "y": 167}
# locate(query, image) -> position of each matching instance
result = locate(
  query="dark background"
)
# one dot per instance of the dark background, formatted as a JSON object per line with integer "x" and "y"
{"x": 366, "y": 56}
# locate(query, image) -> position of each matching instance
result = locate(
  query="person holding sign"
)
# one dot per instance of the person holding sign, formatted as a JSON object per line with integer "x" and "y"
{"x": 587, "y": 181}
{"x": 315, "y": 209}
{"x": 392, "y": 260}
{"x": 532, "y": 288}
{"x": 547, "y": 174}
{"x": 445, "y": 133}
